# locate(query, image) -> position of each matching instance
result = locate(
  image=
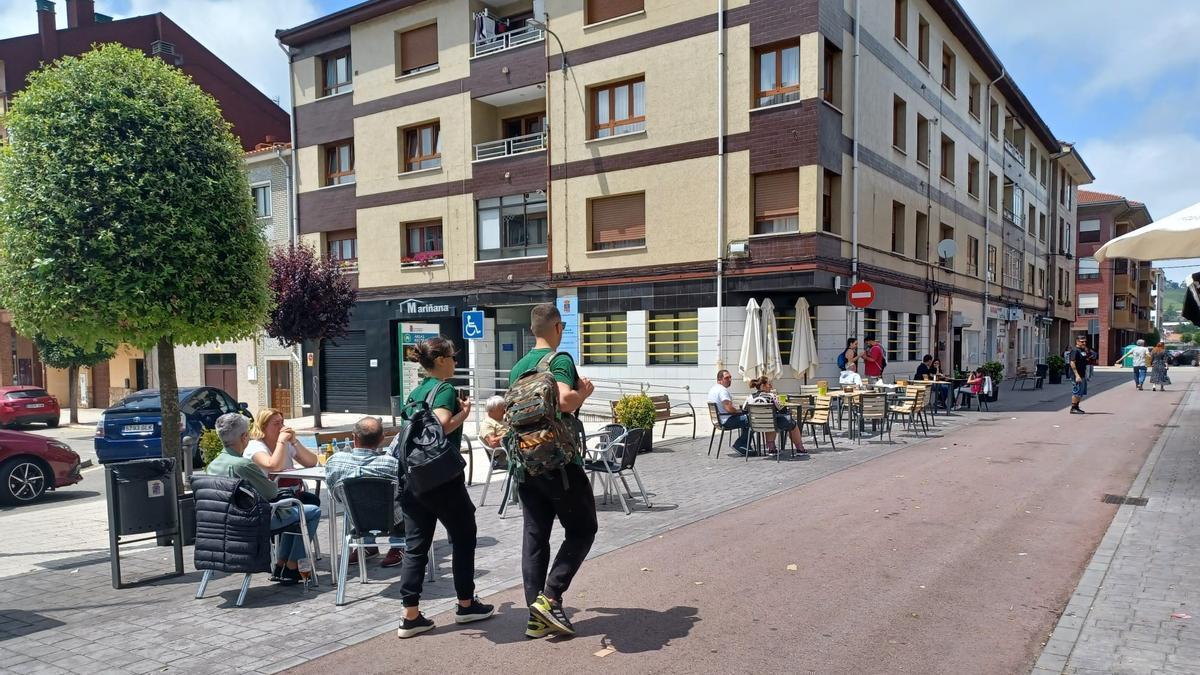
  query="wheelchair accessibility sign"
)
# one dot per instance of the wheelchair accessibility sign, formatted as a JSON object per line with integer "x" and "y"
{"x": 472, "y": 325}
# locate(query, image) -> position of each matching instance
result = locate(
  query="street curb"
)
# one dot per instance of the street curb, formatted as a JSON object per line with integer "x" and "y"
{"x": 1056, "y": 654}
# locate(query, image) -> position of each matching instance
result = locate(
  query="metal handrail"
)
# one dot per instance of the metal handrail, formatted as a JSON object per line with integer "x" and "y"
{"x": 1014, "y": 151}
{"x": 510, "y": 146}
{"x": 508, "y": 40}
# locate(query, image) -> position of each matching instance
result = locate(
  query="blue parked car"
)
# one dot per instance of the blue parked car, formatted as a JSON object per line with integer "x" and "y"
{"x": 132, "y": 429}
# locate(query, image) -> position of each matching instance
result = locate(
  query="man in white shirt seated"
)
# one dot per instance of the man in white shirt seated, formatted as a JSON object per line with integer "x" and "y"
{"x": 730, "y": 416}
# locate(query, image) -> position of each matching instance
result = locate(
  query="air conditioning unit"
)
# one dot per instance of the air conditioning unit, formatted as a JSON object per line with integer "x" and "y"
{"x": 739, "y": 248}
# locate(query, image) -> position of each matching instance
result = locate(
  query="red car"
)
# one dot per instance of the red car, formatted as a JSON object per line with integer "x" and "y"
{"x": 31, "y": 464}
{"x": 23, "y": 405}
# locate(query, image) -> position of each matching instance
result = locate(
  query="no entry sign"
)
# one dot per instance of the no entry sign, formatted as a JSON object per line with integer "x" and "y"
{"x": 861, "y": 295}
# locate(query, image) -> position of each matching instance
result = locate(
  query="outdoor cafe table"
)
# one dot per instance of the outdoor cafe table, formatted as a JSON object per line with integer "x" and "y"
{"x": 317, "y": 473}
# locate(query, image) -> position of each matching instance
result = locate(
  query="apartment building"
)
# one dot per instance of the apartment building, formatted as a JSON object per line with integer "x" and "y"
{"x": 652, "y": 165}
{"x": 254, "y": 117}
{"x": 257, "y": 372}
{"x": 1114, "y": 298}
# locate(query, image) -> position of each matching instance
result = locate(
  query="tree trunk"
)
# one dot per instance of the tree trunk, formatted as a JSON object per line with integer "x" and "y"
{"x": 73, "y": 392}
{"x": 168, "y": 391}
{"x": 316, "y": 383}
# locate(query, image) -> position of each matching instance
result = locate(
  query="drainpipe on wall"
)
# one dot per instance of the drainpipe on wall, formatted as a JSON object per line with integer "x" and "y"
{"x": 720, "y": 181}
{"x": 854, "y": 164}
{"x": 987, "y": 173}
{"x": 293, "y": 225}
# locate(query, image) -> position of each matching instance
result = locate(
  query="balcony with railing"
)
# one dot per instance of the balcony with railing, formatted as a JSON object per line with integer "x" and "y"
{"x": 1122, "y": 284}
{"x": 1011, "y": 216}
{"x": 507, "y": 147}
{"x": 490, "y": 44}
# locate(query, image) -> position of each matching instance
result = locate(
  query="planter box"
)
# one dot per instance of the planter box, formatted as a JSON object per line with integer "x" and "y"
{"x": 1056, "y": 378}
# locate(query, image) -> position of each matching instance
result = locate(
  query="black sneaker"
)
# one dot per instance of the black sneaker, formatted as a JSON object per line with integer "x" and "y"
{"x": 276, "y": 573}
{"x": 552, "y": 613}
{"x": 413, "y": 627}
{"x": 477, "y": 611}
{"x": 289, "y": 576}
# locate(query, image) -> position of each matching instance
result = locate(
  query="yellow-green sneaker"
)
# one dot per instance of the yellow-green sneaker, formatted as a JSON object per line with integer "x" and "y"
{"x": 536, "y": 628}
{"x": 551, "y": 613}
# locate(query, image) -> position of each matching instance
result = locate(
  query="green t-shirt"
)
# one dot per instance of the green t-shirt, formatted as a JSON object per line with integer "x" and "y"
{"x": 446, "y": 398}
{"x": 562, "y": 367}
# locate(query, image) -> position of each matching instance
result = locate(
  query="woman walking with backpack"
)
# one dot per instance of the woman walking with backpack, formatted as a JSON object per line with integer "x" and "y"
{"x": 424, "y": 505}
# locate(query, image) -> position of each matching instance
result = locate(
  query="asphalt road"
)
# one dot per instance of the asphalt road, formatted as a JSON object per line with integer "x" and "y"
{"x": 951, "y": 556}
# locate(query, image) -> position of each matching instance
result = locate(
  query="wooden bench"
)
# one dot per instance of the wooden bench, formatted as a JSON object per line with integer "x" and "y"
{"x": 1023, "y": 375}
{"x": 665, "y": 412}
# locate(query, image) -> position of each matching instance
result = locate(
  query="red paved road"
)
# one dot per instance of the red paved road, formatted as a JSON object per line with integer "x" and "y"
{"x": 952, "y": 556}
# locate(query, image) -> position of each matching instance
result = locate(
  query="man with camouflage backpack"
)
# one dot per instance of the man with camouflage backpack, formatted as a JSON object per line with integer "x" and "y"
{"x": 544, "y": 446}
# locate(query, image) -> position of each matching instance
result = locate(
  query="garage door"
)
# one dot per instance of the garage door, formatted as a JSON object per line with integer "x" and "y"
{"x": 344, "y": 374}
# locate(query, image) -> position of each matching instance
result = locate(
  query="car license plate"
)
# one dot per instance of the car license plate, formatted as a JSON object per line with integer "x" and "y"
{"x": 36, "y": 405}
{"x": 137, "y": 429}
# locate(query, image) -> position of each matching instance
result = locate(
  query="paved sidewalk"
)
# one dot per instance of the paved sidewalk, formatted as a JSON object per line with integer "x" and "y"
{"x": 58, "y": 612}
{"x": 1137, "y": 606}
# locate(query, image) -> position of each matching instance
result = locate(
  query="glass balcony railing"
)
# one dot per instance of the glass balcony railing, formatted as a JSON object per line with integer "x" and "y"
{"x": 510, "y": 146}
{"x": 508, "y": 40}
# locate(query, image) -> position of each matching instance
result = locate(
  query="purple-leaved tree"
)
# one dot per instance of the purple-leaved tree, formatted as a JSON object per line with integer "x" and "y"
{"x": 313, "y": 301}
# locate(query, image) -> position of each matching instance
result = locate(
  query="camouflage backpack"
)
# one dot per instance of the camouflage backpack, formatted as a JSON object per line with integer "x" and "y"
{"x": 540, "y": 439}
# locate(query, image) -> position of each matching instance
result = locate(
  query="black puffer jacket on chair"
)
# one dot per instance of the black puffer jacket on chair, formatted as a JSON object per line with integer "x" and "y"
{"x": 233, "y": 526}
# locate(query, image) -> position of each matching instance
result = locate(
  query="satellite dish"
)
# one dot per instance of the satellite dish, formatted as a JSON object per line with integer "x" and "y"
{"x": 947, "y": 248}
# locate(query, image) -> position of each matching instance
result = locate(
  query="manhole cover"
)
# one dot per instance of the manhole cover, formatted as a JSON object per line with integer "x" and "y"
{"x": 991, "y": 419}
{"x": 1167, "y": 426}
{"x": 1125, "y": 499}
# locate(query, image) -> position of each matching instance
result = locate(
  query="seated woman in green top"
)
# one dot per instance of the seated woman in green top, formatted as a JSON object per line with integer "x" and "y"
{"x": 448, "y": 503}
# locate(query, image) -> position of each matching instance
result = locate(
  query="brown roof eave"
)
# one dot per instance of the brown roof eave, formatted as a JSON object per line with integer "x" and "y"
{"x": 339, "y": 21}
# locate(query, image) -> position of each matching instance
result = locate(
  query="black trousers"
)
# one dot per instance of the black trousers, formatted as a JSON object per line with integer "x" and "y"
{"x": 451, "y": 505}
{"x": 543, "y": 498}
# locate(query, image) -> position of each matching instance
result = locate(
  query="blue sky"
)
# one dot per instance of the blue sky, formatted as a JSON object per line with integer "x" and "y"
{"x": 1119, "y": 78}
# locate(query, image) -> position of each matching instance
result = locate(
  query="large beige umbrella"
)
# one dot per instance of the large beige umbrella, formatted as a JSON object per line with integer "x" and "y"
{"x": 803, "y": 358}
{"x": 750, "y": 361}
{"x": 772, "y": 359}
{"x": 1176, "y": 236}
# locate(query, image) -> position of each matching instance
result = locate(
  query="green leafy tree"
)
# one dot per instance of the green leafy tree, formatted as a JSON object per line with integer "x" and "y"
{"x": 63, "y": 353}
{"x": 125, "y": 216}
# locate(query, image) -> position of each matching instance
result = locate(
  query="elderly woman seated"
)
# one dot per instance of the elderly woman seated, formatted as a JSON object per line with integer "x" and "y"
{"x": 762, "y": 393}
{"x": 492, "y": 431}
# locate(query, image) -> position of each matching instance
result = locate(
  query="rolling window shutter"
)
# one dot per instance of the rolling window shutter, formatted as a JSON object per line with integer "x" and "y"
{"x": 776, "y": 194}
{"x": 617, "y": 219}
{"x": 603, "y": 10}
{"x": 1089, "y": 301}
{"x": 418, "y": 48}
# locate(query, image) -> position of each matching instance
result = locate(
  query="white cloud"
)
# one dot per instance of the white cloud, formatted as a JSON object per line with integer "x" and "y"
{"x": 1158, "y": 170}
{"x": 240, "y": 32}
{"x": 1160, "y": 38}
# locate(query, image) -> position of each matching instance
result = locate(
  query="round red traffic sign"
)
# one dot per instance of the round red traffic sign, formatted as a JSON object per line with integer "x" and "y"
{"x": 861, "y": 295}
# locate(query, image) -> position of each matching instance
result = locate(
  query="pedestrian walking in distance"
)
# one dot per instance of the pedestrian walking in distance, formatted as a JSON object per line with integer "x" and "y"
{"x": 1079, "y": 370}
{"x": 544, "y": 442}
{"x": 1139, "y": 357}
{"x": 425, "y": 504}
{"x": 1158, "y": 368}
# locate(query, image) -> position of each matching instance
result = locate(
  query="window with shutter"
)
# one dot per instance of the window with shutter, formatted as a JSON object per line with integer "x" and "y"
{"x": 619, "y": 108}
{"x": 603, "y": 10}
{"x": 618, "y": 222}
{"x": 417, "y": 49}
{"x": 777, "y": 202}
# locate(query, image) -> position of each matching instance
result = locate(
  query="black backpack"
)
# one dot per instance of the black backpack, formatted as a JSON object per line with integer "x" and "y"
{"x": 426, "y": 459}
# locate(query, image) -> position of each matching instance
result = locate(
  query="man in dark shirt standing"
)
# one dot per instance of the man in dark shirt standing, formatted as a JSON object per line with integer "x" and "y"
{"x": 1079, "y": 370}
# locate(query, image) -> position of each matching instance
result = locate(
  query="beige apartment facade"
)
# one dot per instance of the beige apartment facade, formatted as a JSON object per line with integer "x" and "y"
{"x": 652, "y": 166}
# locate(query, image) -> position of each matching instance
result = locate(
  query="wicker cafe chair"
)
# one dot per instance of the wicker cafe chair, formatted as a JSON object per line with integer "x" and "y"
{"x": 912, "y": 407}
{"x": 762, "y": 422}
{"x": 873, "y": 408}
{"x": 818, "y": 416}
